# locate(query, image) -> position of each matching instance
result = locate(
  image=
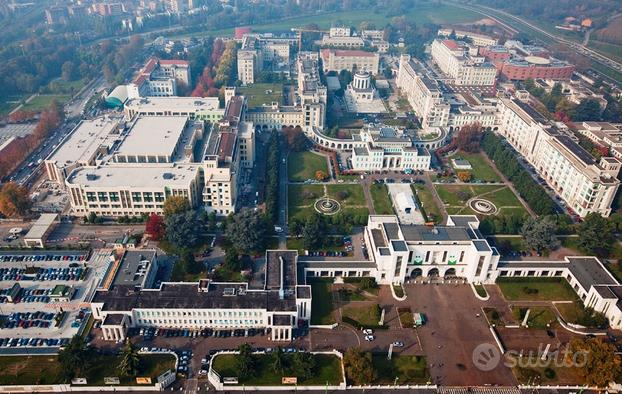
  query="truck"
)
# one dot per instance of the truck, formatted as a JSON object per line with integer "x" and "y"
{"x": 418, "y": 319}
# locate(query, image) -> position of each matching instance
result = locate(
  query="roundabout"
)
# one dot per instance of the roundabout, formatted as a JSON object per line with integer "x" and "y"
{"x": 327, "y": 206}
{"x": 482, "y": 206}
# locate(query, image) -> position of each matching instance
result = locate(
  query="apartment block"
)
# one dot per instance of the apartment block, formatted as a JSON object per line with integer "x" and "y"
{"x": 462, "y": 63}
{"x": 584, "y": 184}
{"x": 159, "y": 78}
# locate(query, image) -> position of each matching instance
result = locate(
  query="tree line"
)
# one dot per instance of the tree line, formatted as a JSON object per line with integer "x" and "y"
{"x": 272, "y": 179}
{"x": 505, "y": 160}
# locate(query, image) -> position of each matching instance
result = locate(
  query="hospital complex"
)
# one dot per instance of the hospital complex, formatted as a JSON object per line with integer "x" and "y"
{"x": 165, "y": 145}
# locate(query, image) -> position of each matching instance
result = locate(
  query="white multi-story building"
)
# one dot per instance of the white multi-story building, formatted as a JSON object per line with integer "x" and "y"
{"x": 340, "y": 32}
{"x": 159, "y": 78}
{"x": 195, "y": 108}
{"x": 385, "y": 148}
{"x": 584, "y": 184}
{"x": 343, "y": 42}
{"x": 423, "y": 93}
{"x": 478, "y": 39}
{"x": 155, "y": 157}
{"x": 276, "y": 305}
{"x": 462, "y": 63}
{"x": 351, "y": 60}
{"x": 604, "y": 134}
{"x": 89, "y": 141}
{"x": 248, "y": 64}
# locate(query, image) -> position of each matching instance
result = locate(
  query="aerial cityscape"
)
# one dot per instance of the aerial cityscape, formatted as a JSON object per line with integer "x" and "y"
{"x": 409, "y": 196}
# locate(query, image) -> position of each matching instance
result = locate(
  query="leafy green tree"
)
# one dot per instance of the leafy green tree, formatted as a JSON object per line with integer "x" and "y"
{"x": 278, "y": 360}
{"x": 245, "y": 362}
{"x": 247, "y": 231}
{"x": 130, "y": 360}
{"x": 359, "y": 367}
{"x": 588, "y": 109}
{"x": 74, "y": 358}
{"x": 191, "y": 266}
{"x": 313, "y": 232}
{"x": 595, "y": 235}
{"x": 304, "y": 364}
{"x": 181, "y": 230}
{"x": 174, "y": 205}
{"x": 539, "y": 233}
{"x": 232, "y": 260}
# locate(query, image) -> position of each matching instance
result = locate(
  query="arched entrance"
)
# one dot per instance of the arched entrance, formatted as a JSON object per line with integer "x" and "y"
{"x": 451, "y": 272}
{"x": 433, "y": 273}
{"x": 416, "y": 273}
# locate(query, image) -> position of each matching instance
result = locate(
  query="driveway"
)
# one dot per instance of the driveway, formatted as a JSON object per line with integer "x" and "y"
{"x": 451, "y": 334}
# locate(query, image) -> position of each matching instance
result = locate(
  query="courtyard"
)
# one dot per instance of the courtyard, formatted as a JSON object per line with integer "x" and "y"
{"x": 459, "y": 199}
{"x": 351, "y": 199}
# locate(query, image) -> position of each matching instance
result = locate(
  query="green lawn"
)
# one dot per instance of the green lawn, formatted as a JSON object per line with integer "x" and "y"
{"x": 259, "y": 94}
{"x": 60, "y": 86}
{"x": 303, "y": 165}
{"x": 421, "y": 15}
{"x": 381, "y": 199}
{"x": 539, "y": 317}
{"x": 406, "y": 317}
{"x": 408, "y": 369}
{"x": 481, "y": 169}
{"x": 10, "y": 102}
{"x": 536, "y": 289}
{"x": 363, "y": 315}
{"x": 46, "y": 369}
{"x": 428, "y": 202}
{"x": 300, "y": 195}
{"x": 29, "y": 370}
{"x": 41, "y": 102}
{"x": 354, "y": 194}
{"x": 455, "y": 198}
{"x": 321, "y": 301}
{"x": 335, "y": 246}
{"x": 327, "y": 370}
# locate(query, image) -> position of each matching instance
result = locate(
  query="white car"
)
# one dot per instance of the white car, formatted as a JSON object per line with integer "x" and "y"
{"x": 368, "y": 331}
{"x": 398, "y": 344}
{"x": 369, "y": 338}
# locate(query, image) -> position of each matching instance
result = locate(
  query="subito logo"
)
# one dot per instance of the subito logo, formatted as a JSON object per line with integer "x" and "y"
{"x": 486, "y": 357}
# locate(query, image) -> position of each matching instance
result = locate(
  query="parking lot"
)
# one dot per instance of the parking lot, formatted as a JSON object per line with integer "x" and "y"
{"x": 42, "y": 295}
{"x": 454, "y": 327}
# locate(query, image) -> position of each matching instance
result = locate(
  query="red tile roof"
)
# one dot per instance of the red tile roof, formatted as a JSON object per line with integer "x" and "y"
{"x": 451, "y": 44}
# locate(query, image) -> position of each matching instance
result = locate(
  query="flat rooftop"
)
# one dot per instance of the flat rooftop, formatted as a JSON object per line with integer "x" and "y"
{"x": 134, "y": 267}
{"x": 124, "y": 298}
{"x": 174, "y": 104}
{"x": 41, "y": 226}
{"x": 153, "y": 136}
{"x": 85, "y": 140}
{"x": 133, "y": 176}
{"x": 281, "y": 266}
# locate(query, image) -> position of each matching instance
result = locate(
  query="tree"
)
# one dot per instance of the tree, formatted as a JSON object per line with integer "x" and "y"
{"x": 130, "y": 360}
{"x": 155, "y": 227}
{"x": 232, "y": 260}
{"x": 602, "y": 364}
{"x": 358, "y": 366}
{"x": 303, "y": 364}
{"x": 368, "y": 283}
{"x": 464, "y": 176}
{"x": 595, "y": 235}
{"x": 539, "y": 233}
{"x": 181, "y": 230}
{"x": 469, "y": 137}
{"x": 313, "y": 232}
{"x": 295, "y": 227}
{"x": 296, "y": 139}
{"x": 74, "y": 358}
{"x": 278, "y": 360}
{"x": 191, "y": 266}
{"x": 588, "y": 109}
{"x": 244, "y": 362}
{"x": 68, "y": 71}
{"x": 320, "y": 175}
{"x": 174, "y": 205}
{"x": 14, "y": 200}
{"x": 247, "y": 231}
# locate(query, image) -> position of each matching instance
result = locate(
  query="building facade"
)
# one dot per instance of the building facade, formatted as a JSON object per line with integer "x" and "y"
{"x": 583, "y": 183}
{"x": 351, "y": 60}
{"x": 462, "y": 63}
